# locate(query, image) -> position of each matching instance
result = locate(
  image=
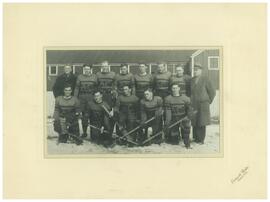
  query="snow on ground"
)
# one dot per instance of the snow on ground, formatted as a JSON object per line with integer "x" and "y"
{"x": 211, "y": 146}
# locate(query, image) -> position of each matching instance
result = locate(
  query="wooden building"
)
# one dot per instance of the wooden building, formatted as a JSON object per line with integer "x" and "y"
{"x": 209, "y": 59}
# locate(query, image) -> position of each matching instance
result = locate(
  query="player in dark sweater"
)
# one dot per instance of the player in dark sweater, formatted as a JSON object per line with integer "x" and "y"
{"x": 106, "y": 83}
{"x": 126, "y": 109}
{"x": 183, "y": 80}
{"x": 86, "y": 85}
{"x": 161, "y": 81}
{"x": 143, "y": 81}
{"x": 151, "y": 106}
{"x": 177, "y": 107}
{"x": 66, "y": 113}
{"x": 99, "y": 120}
{"x": 124, "y": 78}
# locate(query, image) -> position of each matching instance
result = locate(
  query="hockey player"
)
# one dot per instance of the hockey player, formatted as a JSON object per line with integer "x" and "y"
{"x": 143, "y": 81}
{"x": 151, "y": 106}
{"x": 161, "y": 81}
{"x": 61, "y": 81}
{"x": 100, "y": 123}
{"x": 183, "y": 80}
{"x": 124, "y": 78}
{"x": 176, "y": 108}
{"x": 85, "y": 87}
{"x": 106, "y": 83}
{"x": 66, "y": 114}
{"x": 126, "y": 110}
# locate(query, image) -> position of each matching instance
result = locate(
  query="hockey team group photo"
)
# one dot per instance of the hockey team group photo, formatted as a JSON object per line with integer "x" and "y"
{"x": 133, "y": 101}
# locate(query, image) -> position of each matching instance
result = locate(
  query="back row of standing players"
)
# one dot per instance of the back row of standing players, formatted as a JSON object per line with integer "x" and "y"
{"x": 126, "y": 101}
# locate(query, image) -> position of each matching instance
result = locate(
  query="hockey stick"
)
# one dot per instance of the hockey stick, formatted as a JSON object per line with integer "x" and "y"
{"x": 138, "y": 127}
{"x": 134, "y": 129}
{"x": 162, "y": 131}
{"x": 80, "y": 126}
{"x": 127, "y": 140}
{"x": 120, "y": 137}
{"x": 105, "y": 131}
{"x": 99, "y": 129}
{"x": 78, "y": 139}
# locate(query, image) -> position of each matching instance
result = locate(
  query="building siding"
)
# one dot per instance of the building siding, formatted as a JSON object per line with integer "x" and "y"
{"x": 203, "y": 60}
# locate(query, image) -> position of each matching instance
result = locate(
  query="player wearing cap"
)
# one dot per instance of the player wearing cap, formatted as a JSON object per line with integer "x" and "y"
{"x": 202, "y": 95}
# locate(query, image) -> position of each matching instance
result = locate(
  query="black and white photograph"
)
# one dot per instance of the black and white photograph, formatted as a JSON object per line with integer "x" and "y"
{"x": 145, "y": 101}
{"x": 135, "y": 101}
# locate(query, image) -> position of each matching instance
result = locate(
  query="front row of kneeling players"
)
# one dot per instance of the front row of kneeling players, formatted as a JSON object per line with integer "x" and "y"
{"x": 175, "y": 113}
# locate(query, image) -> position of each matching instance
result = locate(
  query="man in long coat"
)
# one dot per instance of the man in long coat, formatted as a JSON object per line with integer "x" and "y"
{"x": 67, "y": 78}
{"x": 202, "y": 95}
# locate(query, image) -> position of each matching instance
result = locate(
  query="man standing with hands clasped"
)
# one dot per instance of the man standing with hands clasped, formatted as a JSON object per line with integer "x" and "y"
{"x": 67, "y": 78}
{"x": 202, "y": 95}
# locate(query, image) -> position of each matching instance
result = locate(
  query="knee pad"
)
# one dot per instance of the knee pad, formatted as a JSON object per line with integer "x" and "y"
{"x": 56, "y": 126}
{"x": 185, "y": 130}
{"x": 95, "y": 136}
{"x": 63, "y": 138}
{"x": 85, "y": 120}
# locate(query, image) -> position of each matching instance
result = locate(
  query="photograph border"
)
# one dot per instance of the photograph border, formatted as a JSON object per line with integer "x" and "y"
{"x": 220, "y": 154}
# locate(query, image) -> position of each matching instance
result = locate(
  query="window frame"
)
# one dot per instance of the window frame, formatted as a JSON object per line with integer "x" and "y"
{"x": 99, "y": 65}
{"x": 73, "y": 69}
{"x": 209, "y": 59}
{"x": 50, "y": 70}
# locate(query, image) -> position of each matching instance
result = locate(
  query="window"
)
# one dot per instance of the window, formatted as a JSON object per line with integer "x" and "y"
{"x": 115, "y": 67}
{"x": 73, "y": 69}
{"x": 171, "y": 68}
{"x": 77, "y": 69}
{"x": 213, "y": 62}
{"x": 53, "y": 70}
{"x": 97, "y": 67}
